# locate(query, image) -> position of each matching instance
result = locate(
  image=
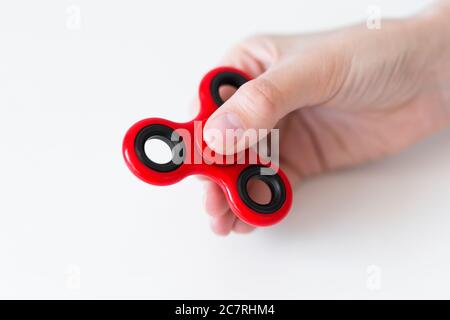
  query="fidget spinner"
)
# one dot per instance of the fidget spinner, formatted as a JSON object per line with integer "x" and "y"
{"x": 188, "y": 156}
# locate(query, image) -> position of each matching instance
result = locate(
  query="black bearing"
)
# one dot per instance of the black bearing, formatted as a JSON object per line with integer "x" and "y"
{"x": 168, "y": 136}
{"x": 273, "y": 181}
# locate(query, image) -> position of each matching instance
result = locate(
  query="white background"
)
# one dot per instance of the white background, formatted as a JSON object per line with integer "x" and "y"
{"x": 75, "y": 223}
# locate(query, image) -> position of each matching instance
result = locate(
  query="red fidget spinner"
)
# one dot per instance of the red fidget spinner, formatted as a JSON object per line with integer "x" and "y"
{"x": 188, "y": 156}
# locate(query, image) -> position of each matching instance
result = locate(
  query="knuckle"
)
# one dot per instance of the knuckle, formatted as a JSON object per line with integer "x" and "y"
{"x": 257, "y": 39}
{"x": 258, "y": 43}
{"x": 260, "y": 99}
{"x": 326, "y": 68}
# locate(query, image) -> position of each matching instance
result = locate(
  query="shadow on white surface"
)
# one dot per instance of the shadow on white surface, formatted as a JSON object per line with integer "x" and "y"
{"x": 411, "y": 185}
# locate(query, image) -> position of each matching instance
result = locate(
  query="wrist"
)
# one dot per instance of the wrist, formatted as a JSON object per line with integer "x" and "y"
{"x": 433, "y": 25}
{"x": 431, "y": 29}
{"x": 441, "y": 7}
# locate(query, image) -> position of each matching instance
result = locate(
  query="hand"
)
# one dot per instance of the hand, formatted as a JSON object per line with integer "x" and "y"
{"x": 339, "y": 98}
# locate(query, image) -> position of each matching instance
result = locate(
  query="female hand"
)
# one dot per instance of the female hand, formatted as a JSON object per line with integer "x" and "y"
{"x": 339, "y": 98}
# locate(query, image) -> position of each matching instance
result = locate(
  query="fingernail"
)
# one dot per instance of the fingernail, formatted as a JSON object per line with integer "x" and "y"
{"x": 217, "y": 128}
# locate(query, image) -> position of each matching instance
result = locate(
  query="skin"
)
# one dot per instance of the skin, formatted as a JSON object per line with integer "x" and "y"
{"x": 342, "y": 98}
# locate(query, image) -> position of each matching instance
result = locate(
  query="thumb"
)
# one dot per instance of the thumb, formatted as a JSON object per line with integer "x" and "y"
{"x": 262, "y": 102}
